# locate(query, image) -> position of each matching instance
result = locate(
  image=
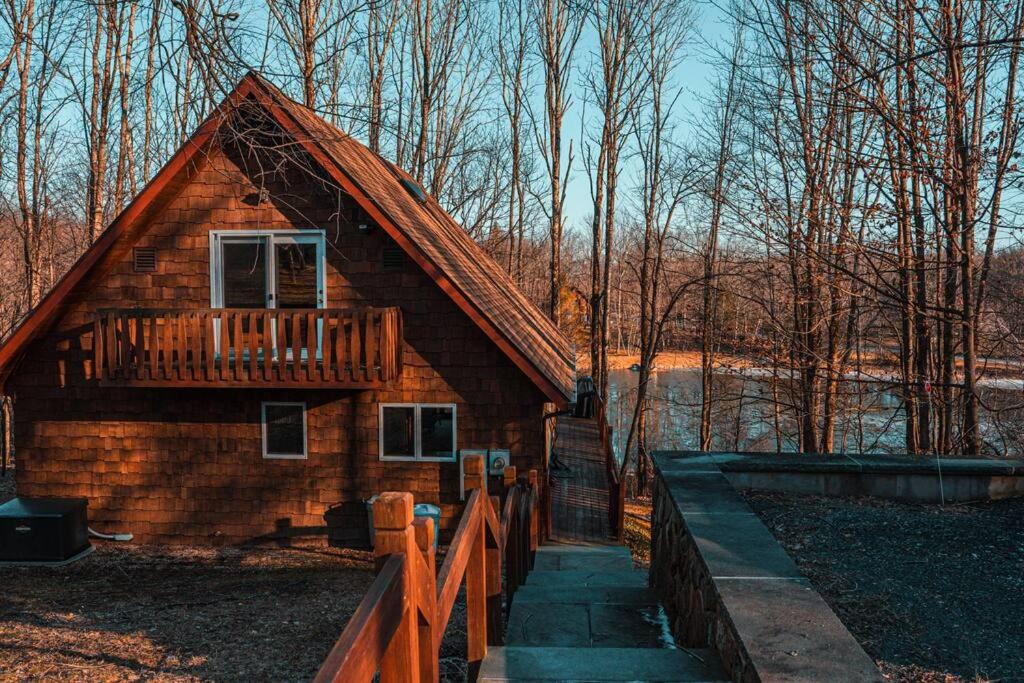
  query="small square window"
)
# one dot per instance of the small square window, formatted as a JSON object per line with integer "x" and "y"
{"x": 284, "y": 430}
{"x": 410, "y": 431}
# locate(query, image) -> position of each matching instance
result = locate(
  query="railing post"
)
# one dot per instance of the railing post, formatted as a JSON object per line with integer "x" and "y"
{"x": 508, "y": 481}
{"x": 523, "y": 522}
{"x": 512, "y": 577}
{"x": 473, "y": 474}
{"x": 620, "y": 522}
{"x": 394, "y": 533}
{"x": 534, "y": 519}
{"x": 476, "y": 570}
{"x": 495, "y": 631}
{"x": 423, "y": 529}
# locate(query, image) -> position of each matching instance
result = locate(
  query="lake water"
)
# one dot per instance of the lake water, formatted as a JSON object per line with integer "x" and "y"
{"x": 745, "y": 417}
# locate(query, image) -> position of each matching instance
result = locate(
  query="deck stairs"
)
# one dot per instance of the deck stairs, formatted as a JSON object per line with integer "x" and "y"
{"x": 585, "y": 614}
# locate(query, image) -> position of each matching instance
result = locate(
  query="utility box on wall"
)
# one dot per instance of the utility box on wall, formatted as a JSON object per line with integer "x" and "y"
{"x": 43, "y": 529}
{"x": 497, "y": 461}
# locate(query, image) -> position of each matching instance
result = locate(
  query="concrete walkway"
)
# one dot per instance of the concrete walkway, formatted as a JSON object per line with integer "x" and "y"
{"x": 586, "y": 615}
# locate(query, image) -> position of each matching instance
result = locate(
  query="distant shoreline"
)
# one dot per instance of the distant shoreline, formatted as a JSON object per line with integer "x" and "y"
{"x": 997, "y": 375}
{"x": 677, "y": 360}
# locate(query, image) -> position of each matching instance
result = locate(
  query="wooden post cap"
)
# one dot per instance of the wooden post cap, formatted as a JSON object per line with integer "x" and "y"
{"x": 473, "y": 465}
{"x": 424, "y": 529}
{"x": 392, "y": 510}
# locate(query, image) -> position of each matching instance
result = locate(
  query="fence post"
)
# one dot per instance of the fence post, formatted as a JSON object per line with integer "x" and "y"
{"x": 476, "y": 570}
{"x": 392, "y": 522}
{"x": 423, "y": 529}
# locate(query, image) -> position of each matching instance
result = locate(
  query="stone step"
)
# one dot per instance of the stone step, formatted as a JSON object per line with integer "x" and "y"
{"x": 615, "y": 595}
{"x": 583, "y": 547}
{"x": 575, "y": 579}
{"x": 592, "y": 625}
{"x": 597, "y": 560}
{"x": 513, "y": 663}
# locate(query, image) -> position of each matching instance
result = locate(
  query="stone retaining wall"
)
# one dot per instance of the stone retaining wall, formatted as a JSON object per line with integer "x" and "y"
{"x": 727, "y": 583}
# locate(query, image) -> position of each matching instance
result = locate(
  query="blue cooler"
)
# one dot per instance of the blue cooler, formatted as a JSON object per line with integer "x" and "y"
{"x": 431, "y": 511}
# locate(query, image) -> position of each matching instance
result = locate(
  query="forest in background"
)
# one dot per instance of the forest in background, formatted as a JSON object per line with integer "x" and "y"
{"x": 840, "y": 207}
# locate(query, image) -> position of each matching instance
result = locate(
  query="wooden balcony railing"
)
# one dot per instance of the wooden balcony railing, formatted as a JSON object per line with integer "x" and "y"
{"x": 398, "y": 627}
{"x": 233, "y": 347}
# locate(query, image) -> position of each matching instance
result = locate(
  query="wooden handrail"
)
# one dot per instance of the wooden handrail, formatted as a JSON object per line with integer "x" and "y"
{"x": 449, "y": 579}
{"x": 398, "y": 627}
{"x": 358, "y": 653}
{"x": 209, "y": 347}
{"x": 616, "y": 483}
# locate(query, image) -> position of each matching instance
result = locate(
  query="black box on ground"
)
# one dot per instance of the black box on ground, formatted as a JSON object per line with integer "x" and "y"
{"x": 43, "y": 529}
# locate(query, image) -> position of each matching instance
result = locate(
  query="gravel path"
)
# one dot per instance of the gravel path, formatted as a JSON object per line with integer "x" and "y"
{"x": 932, "y": 594}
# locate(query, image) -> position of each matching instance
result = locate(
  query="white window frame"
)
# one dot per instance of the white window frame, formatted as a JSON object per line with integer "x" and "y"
{"x": 263, "y": 431}
{"x": 270, "y": 237}
{"x": 417, "y": 456}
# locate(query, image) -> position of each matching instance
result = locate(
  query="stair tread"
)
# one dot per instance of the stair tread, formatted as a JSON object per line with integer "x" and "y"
{"x": 559, "y": 561}
{"x": 564, "y": 548}
{"x": 590, "y": 625}
{"x": 616, "y": 595}
{"x": 584, "y": 578}
{"x": 513, "y": 663}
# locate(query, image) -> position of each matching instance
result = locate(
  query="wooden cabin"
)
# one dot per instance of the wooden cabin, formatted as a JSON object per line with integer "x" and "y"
{"x": 279, "y": 326}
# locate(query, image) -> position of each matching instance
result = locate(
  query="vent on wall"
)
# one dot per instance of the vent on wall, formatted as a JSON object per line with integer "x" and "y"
{"x": 144, "y": 259}
{"x": 392, "y": 258}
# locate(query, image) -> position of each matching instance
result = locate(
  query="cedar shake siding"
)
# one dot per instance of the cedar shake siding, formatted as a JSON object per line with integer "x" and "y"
{"x": 186, "y": 464}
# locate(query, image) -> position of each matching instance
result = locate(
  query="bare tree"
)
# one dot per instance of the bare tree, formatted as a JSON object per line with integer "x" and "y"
{"x": 615, "y": 87}
{"x": 725, "y": 123}
{"x": 667, "y": 180}
{"x": 559, "y": 26}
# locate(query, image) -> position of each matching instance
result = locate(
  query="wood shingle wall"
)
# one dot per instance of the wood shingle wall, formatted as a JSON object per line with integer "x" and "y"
{"x": 185, "y": 465}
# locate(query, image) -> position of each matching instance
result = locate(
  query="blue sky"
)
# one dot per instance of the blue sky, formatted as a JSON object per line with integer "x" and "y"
{"x": 694, "y": 75}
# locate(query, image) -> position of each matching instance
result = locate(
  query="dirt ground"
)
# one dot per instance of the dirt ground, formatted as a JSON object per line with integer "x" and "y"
{"x": 131, "y": 613}
{"x": 637, "y": 531}
{"x": 933, "y": 594}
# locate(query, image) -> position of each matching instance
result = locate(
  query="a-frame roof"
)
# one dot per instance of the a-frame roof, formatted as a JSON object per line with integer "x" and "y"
{"x": 430, "y": 237}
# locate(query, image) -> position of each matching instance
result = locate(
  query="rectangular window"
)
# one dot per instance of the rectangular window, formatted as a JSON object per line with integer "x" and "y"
{"x": 284, "y": 430}
{"x": 267, "y": 269}
{"x": 417, "y": 431}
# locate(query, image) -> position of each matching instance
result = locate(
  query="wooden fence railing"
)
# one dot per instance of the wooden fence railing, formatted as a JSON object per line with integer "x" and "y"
{"x": 616, "y": 483}
{"x": 318, "y": 347}
{"x": 398, "y": 627}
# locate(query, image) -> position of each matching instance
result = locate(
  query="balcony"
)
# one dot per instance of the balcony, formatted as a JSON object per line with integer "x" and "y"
{"x": 233, "y": 347}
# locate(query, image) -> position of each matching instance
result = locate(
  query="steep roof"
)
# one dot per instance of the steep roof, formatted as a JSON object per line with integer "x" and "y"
{"x": 431, "y": 238}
